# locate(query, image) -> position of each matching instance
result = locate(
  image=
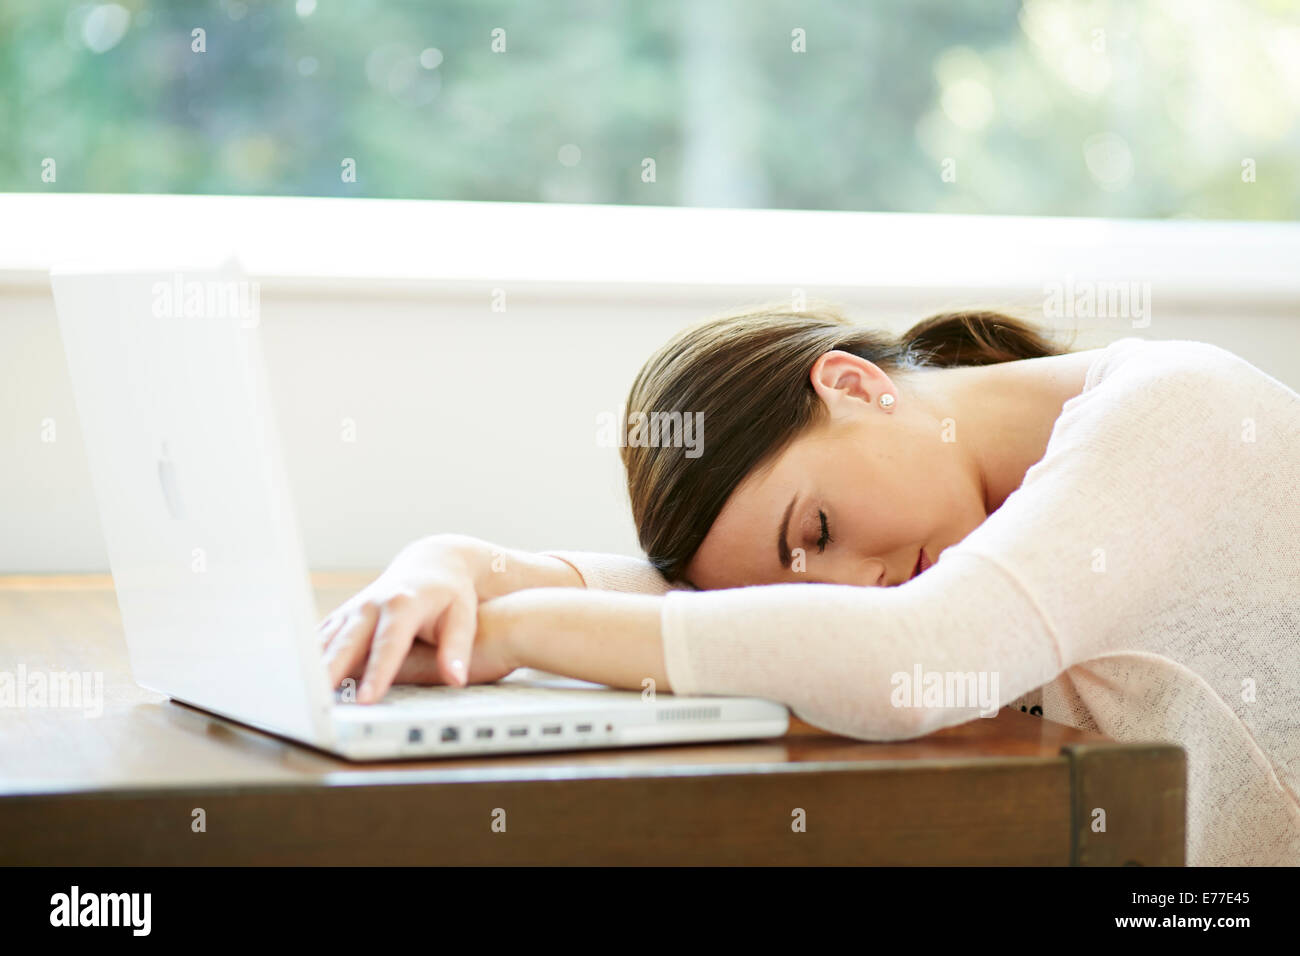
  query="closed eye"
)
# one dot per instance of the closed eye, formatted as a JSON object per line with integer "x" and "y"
{"x": 825, "y": 538}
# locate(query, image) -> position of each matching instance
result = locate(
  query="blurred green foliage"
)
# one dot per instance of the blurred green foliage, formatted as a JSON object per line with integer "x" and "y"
{"x": 1047, "y": 107}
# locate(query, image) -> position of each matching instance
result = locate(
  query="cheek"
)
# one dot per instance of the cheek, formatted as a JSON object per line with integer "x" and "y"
{"x": 903, "y": 510}
{"x": 893, "y": 496}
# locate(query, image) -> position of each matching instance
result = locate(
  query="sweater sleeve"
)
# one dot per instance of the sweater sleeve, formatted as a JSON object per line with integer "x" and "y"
{"x": 954, "y": 644}
{"x": 616, "y": 572}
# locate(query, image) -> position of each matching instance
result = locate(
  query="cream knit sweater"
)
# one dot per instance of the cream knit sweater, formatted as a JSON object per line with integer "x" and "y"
{"x": 1143, "y": 581}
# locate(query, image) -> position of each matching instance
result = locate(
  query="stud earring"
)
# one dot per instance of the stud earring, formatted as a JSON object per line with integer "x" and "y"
{"x": 886, "y": 401}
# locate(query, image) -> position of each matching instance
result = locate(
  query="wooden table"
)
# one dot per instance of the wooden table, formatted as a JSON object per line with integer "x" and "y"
{"x": 124, "y": 788}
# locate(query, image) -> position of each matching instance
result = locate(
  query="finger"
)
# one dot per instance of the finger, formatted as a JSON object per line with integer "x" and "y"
{"x": 398, "y": 622}
{"x": 330, "y": 629}
{"x": 341, "y": 612}
{"x": 420, "y": 666}
{"x": 456, "y": 641}
{"x": 348, "y": 649}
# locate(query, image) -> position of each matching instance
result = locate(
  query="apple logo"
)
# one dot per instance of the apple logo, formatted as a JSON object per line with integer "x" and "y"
{"x": 170, "y": 487}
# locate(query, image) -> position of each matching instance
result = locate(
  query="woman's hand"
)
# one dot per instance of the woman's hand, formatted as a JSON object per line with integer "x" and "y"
{"x": 417, "y": 622}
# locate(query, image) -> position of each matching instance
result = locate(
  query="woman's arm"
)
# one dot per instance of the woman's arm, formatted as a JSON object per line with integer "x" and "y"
{"x": 954, "y": 644}
{"x": 599, "y": 636}
{"x": 498, "y": 570}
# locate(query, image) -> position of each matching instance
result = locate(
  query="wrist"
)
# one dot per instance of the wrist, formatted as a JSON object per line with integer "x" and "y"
{"x": 475, "y": 558}
{"x": 497, "y": 571}
{"x": 596, "y": 636}
{"x": 499, "y": 625}
{"x": 504, "y": 571}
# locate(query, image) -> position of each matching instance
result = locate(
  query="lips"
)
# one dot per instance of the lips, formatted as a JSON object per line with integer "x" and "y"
{"x": 922, "y": 562}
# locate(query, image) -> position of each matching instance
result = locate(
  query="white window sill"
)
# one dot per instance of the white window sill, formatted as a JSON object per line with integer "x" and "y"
{"x": 316, "y": 244}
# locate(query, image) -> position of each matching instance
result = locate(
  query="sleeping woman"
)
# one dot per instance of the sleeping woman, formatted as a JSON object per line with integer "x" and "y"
{"x": 1113, "y": 535}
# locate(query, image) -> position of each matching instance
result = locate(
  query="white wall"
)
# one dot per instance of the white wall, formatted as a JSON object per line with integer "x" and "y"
{"x": 473, "y": 420}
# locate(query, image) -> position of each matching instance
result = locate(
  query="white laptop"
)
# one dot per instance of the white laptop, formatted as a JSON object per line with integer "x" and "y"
{"x": 207, "y": 561}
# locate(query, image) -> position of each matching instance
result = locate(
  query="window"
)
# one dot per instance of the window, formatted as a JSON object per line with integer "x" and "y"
{"x": 1047, "y": 107}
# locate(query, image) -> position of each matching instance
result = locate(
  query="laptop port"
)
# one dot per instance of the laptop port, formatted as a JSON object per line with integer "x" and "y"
{"x": 518, "y": 731}
{"x": 583, "y": 728}
{"x": 484, "y": 733}
{"x": 552, "y": 729}
{"x": 450, "y": 734}
{"x": 414, "y": 735}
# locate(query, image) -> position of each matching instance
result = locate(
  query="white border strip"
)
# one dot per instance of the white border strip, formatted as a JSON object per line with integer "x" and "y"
{"x": 314, "y": 244}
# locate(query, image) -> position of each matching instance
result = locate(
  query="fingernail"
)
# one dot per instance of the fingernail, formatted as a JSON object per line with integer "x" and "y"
{"x": 458, "y": 668}
{"x": 363, "y": 695}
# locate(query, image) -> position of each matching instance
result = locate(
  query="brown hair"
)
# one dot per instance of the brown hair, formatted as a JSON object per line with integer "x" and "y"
{"x": 748, "y": 373}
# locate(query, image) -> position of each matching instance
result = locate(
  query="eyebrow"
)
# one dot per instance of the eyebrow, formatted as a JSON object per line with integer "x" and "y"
{"x": 782, "y": 547}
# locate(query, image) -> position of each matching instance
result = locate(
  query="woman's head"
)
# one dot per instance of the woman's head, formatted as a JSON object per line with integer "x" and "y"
{"x": 794, "y": 436}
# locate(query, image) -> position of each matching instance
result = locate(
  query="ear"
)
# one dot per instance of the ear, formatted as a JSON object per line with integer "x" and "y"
{"x": 848, "y": 384}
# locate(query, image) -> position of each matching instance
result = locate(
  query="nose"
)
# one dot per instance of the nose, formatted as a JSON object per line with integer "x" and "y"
{"x": 876, "y": 574}
{"x": 883, "y": 577}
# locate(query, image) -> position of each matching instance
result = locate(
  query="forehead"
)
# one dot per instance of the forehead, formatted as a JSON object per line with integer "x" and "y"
{"x": 740, "y": 547}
